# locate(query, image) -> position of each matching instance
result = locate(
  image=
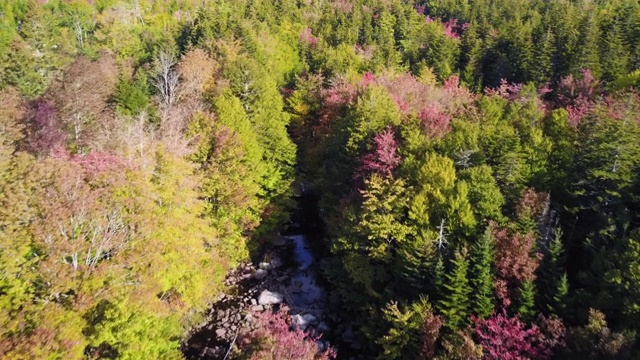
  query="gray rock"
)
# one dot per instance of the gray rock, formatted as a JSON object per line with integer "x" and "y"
{"x": 254, "y": 302}
{"x": 270, "y": 298}
{"x": 310, "y": 318}
{"x": 321, "y": 345}
{"x": 323, "y": 327}
{"x": 257, "y": 308}
{"x": 260, "y": 274}
{"x": 246, "y": 276}
{"x": 348, "y": 335}
{"x": 276, "y": 262}
{"x": 282, "y": 278}
{"x": 221, "y": 333}
{"x": 303, "y": 321}
{"x": 265, "y": 266}
{"x": 299, "y": 322}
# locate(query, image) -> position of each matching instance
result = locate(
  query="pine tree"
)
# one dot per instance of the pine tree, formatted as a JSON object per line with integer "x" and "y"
{"x": 482, "y": 255}
{"x": 552, "y": 281}
{"x": 526, "y": 301}
{"x": 455, "y": 306}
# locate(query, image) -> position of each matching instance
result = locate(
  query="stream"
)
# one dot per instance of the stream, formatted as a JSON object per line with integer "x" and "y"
{"x": 289, "y": 275}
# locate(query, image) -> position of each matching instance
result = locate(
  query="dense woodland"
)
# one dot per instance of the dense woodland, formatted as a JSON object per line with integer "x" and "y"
{"x": 476, "y": 162}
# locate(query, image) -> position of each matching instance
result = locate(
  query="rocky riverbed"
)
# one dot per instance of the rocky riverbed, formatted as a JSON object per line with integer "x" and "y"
{"x": 288, "y": 278}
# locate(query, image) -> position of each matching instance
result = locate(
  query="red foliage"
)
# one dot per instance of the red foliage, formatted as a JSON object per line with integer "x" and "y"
{"x": 275, "y": 340}
{"x": 384, "y": 158}
{"x": 553, "y": 330}
{"x": 533, "y": 204}
{"x": 504, "y": 338}
{"x": 434, "y": 121}
{"x": 514, "y": 261}
{"x": 430, "y": 332}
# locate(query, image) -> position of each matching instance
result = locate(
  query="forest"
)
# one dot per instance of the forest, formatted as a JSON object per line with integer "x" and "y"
{"x": 475, "y": 162}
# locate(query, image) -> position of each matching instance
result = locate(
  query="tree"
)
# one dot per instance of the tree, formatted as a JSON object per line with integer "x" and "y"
{"x": 384, "y": 158}
{"x": 167, "y": 80}
{"x": 273, "y": 340}
{"x": 482, "y": 258}
{"x": 515, "y": 263}
{"x": 526, "y": 301}
{"x": 456, "y": 304}
{"x": 413, "y": 329}
{"x": 507, "y": 338}
{"x": 597, "y": 341}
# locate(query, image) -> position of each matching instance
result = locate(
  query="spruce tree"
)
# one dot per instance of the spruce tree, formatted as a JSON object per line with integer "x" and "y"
{"x": 526, "y": 301}
{"x": 482, "y": 256}
{"x": 455, "y": 306}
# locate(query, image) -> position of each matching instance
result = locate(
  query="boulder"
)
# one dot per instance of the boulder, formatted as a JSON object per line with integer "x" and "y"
{"x": 260, "y": 274}
{"x": 265, "y": 266}
{"x": 323, "y": 327}
{"x": 221, "y": 333}
{"x": 303, "y": 321}
{"x": 257, "y": 308}
{"x": 270, "y": 298}
{"x": 276, "y": 262}
{"x": 348, "y": 336}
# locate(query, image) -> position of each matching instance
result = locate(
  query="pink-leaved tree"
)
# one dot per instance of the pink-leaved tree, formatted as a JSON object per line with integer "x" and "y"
{"x": 384, "y": 157}
{"x": 273, "y": 339}
{"x": 508, "y": 338}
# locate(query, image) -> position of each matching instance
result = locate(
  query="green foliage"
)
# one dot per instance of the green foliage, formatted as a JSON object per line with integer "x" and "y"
{"x": 526, "y": 301}
{"x": 131, "y": 96}
{"x": 482, "y": 254}
{"x": 410, "y": 328}
{"x": 456, "y": 304}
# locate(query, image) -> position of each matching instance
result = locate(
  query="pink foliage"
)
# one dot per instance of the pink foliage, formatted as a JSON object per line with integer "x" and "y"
{"x": 343, "y": 6}
{"x": 451, "y": 29}
{"x": 45, "y": 131}
{"x": 505, "y": 90}
{"x": 577, "y": 96}
{"x": 276, "y": 341}
{"x": 412, "y": 96}
{"x": 97, "y": 162}
{"x": 307, "y": 38}
{"x": 435, "y": 122}
{"x": 504, "y": 338}
{"x": 384, "y": 158}
{"x": 514, "y": 261}
{"x": 334, "y": 99}
{"x": 367, "y": 79}
{"x": 452, "y": 86}
{"x": 452, "y": 83}
{"x": 544, "y": 89}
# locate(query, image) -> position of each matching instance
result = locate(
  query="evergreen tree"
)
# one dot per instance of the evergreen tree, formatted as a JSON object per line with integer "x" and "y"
{"x": 482, "y": 259}
{"x": 456, "y": 303}
{"x": 526, "y": 301}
